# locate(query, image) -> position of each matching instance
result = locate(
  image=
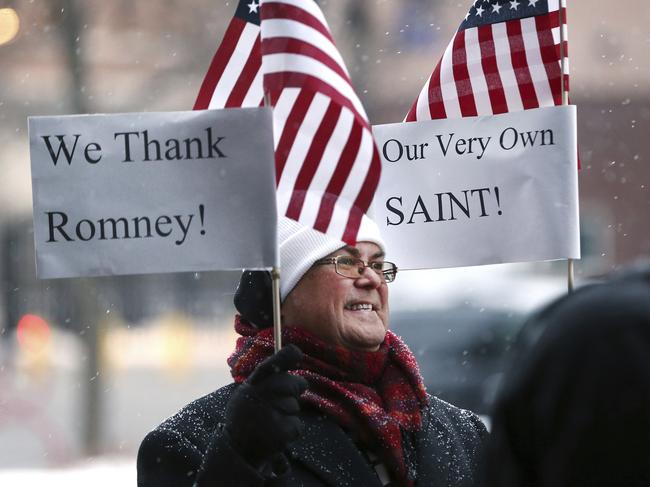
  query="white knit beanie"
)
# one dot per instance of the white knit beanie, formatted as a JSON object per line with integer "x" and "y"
{"x": 301, "y": 246}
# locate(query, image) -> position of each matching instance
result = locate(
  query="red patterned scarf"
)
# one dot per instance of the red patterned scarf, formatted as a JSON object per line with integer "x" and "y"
{"x": 377, "y": 396}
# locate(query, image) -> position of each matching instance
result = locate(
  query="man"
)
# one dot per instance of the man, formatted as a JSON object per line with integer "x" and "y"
{"x": 342, "y": 403}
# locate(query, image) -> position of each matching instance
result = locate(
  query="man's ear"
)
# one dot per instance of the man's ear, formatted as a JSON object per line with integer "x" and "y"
{"x": 254, "y": 298}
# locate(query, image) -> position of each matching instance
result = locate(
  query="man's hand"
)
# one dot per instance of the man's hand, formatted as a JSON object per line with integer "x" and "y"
{"x": 261, "y": 415}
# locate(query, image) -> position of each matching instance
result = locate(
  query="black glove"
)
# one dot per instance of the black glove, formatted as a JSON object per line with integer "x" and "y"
{"x": 261, "y": 415}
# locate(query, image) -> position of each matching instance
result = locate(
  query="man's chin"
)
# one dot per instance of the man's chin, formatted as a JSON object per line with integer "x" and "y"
{"x": 369, "y": 339}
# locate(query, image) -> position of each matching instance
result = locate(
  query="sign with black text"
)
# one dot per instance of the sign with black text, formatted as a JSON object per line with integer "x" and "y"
{"x": 479, "y": 190}
{"x": 140, "y": 193}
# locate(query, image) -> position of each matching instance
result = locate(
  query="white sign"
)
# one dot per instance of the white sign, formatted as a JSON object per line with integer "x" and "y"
{"x": 141, "y": 193}
{"x": 480, "y": 190}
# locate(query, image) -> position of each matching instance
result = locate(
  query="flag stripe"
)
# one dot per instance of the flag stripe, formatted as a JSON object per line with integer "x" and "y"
{"x": 283, "y": 18}
{"x": 246, "y": 77}
{"x": 520, "y": 65}
{"x": 308, "y": 6}
{"x": 290, "y": 129}
{"x": 304, "y": 33}
{"x": 436, "y": 100}
{"x": 299, "y": 64}
{"x": 295, "y": 79}
{"x": 535, "y": 63}
{"x": 448, "y": 85}
{"x": 281, "y": 111}
{"x": 341, "y": 224}
{"x": 218, "y": 64}
{"x": 479, "y": 86}
{"x": 461, "y": 77}
{"x": 491, "y": 70}
{"x": 346, "y": 219}
{"x": 325, "y": 172}
{"x": 547, "y": 53}
{"x": 236, "y": 64}
{"x": 312, "y": 160}
{"x": 364, "y": 198}
{"x": 335, "y": 186}
{"x": 279, "y": 45}
{"x": 504, "y": 61}
{"x": 309, "y": 124}
{"x": 254, "y": 95}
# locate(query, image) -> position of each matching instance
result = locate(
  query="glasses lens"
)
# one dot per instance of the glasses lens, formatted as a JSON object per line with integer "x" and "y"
{"x": 348, "y": 266}
{"x": 389, "y": 271}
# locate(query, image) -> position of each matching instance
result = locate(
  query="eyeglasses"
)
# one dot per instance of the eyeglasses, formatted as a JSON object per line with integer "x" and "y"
{"x": 351, "y": 267}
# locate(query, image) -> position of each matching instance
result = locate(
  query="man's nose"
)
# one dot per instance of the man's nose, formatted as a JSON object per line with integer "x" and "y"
{"x": 369, "y": 278}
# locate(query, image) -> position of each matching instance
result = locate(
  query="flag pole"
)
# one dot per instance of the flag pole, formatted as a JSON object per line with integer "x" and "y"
{"x": 277, "y": 325}
{"x": 565, "y": 98}
{"x": 565, "y": 101}
{"x": 275, "y": 283}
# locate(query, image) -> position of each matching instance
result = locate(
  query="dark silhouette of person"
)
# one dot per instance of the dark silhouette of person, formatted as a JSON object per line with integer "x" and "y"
{"x": 574, "y": 409}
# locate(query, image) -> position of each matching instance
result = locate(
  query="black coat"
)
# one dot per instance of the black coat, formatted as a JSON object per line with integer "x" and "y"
{"x": 189, "y": 447}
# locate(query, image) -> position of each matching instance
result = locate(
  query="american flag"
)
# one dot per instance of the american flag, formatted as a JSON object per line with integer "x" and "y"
{"x": 234, "y": 78}
{"x": 327, "y": 163}
{"x": 505, "y": 57}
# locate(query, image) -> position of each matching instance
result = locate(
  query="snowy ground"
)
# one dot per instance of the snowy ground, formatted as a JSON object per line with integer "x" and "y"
{"x": 102, "y": 472}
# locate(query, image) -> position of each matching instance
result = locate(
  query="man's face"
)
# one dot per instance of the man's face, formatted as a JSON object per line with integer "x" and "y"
{"x": 339, "y": 310}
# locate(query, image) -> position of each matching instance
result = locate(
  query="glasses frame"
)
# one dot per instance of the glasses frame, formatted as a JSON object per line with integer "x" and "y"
{"x": 384, "y": 274}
